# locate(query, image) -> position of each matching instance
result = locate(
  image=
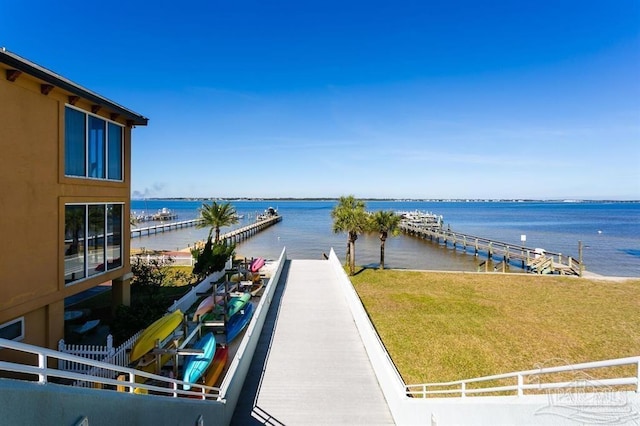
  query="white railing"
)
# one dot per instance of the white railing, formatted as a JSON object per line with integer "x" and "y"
{"x": 101, "y": 374}
{"x": 166, "y": 260}
{"x": 239, "y": 365}
{"x": 120, "y": 356}
{"x": 533, "y": 381}
{"x": 129, "y": 379}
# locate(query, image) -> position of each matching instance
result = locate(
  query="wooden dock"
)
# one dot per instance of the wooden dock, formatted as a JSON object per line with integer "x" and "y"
{"x": 501, "y": 253}
{"x": 162, "y": 227}
{"x": 233, "y": 236}
{"x": 245, "y": 232}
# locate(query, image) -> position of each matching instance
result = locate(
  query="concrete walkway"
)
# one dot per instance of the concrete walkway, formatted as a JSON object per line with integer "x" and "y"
{"x": 310, "y": 366}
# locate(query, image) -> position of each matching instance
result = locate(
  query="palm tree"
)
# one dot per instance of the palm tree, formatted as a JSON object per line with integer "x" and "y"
{"x": 349, "y": 216}
{"x": 385, "y": 223}
{"x": 215, "y": 216}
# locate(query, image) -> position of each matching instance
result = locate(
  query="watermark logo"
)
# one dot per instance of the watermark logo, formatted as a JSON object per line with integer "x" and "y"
{"x": 586, "y": 400}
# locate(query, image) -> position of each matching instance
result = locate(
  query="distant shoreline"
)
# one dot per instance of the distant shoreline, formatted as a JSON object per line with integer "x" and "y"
{"x": 431, "y": 200}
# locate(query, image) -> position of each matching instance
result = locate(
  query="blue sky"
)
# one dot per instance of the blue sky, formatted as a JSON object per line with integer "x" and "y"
{"x": 402, "y": 99}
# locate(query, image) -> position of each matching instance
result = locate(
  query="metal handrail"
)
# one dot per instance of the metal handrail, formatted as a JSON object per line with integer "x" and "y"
{"x": 159, "y": 384}
{"x": 462, "y": 389}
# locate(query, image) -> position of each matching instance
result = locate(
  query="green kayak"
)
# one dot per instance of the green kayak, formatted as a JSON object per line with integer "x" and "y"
{"x": 237, "y": 303}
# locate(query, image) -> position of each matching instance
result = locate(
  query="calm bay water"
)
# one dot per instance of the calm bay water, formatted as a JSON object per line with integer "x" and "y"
{"x": 610, "y": 232}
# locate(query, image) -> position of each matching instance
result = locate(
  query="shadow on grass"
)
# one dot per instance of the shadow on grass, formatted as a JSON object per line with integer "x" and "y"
{"x": 372, "y": 266}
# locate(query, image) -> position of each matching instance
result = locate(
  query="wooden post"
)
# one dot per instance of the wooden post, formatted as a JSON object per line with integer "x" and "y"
{"x": 581, "y": 269}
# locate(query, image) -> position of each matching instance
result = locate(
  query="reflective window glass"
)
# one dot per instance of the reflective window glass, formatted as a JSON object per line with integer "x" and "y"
{"x": 74, "y": 242}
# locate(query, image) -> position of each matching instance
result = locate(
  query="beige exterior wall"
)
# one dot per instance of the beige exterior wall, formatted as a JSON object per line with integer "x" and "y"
{"x": 33, "y": 196}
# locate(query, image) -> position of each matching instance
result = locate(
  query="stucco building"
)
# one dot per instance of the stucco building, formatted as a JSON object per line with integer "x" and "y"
{"x": 65, "y": 162}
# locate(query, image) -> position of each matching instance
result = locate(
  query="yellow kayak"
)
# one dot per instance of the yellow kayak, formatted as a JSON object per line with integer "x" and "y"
{"x": 149, "y": 362}
{"x": 159, "y": 330}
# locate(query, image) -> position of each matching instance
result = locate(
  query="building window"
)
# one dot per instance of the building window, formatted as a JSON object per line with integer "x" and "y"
{"x": 74, "y": 239}
{"x": 114, "y": 152}
{"x": 13, "y": 330}
{"x": 97, "y": 147}
{"x": 93, "y": 240}
{"x": 114, "y": 236}
{"x": 74, "y": 146}
{"x": 93, "y": 146}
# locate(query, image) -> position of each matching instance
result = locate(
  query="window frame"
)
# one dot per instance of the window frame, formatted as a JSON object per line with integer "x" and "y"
{"x": 89, "y": 269}
{"x": 12, "y": 322}
{"x": 87, "y": 145}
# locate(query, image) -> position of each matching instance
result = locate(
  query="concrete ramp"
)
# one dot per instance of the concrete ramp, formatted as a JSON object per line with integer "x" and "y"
{"x": 310, "y": 366}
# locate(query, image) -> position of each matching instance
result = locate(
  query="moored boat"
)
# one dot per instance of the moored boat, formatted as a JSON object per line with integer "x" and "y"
{"x": 164, "y": 214}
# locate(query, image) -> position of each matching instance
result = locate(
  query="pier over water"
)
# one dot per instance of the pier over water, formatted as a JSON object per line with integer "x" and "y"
{"x": 536, "y": 260}
{"x": 162, "y": 227}
{"x": 233, "y": 236}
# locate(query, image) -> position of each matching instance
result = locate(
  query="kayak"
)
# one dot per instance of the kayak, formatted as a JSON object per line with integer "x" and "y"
{"x": 159, "y": 330}
{"x": 238, "y": 322}
{"x": 237, "y": 303}
{"x": 195, "y": 365}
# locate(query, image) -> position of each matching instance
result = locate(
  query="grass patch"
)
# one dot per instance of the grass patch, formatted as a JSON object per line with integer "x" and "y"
{"x": 180, "y": 276}
{"x": 448, "y": 326}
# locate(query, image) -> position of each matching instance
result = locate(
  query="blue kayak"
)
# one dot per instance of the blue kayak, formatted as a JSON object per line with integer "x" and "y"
{"x": 196, "y": 365}
{"x": 239, "y": 321}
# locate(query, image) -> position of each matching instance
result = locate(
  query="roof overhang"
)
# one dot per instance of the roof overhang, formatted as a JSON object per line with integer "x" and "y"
{"x": 18, "y": 63}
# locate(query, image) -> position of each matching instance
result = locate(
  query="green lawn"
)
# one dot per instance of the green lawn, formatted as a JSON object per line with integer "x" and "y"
{"x": 448, "y": 326}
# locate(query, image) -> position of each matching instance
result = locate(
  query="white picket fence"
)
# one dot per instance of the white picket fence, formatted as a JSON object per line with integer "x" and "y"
{"x": 120, "y": 355}
{"x": 116, "y": 356}
{"x": 186, "y": 260}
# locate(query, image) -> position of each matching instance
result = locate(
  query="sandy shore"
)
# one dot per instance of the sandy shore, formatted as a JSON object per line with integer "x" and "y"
{"x": 238, "y": 256}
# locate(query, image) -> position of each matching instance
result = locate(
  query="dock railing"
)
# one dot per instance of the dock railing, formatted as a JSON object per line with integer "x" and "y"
{"x": 532, "y": 259}
{"x": 162, "y": 227}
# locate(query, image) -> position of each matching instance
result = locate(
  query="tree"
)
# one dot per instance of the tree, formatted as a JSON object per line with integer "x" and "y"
{"x": 215, "y": 216}
{"x": 385, "y": 223}
{"x": 147, "y": 303}
{"x": 149, "y": 274}
{"x": 212, "y": 258}
{"x": 350, "y": 216}
{"x": 74, "y": 219}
